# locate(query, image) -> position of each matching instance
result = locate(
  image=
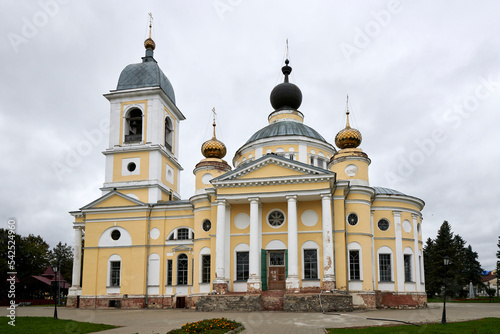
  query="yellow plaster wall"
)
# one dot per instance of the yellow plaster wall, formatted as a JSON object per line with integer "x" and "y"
{"x": 362, "y": 166}
{"x": 235, "y": 210}
{"x": 164, "y": 162}
{"x": 271, "y": 170}
{"x": 117, "y": 166}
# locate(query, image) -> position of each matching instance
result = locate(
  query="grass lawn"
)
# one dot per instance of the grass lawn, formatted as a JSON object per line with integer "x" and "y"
{"x": 464, "y": 300}
{"x": 482, "y": 326}
{"x": 42, "y": 325}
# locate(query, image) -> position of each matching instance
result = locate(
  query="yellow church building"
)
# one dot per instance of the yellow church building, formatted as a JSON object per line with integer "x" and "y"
{"x": 294, "y": 217}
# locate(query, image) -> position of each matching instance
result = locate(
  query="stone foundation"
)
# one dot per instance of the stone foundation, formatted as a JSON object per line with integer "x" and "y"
{"x": 332, "y": 302}
{"x": 115, "y": 302}
{"x": 272, "y": 300}
{"x": 220, "y": 288}
{"x": 408, "y": 300}
{"x": 217, "y": 303}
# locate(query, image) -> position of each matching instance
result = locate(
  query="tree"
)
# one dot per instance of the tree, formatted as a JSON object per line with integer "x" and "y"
{"x": 498, "y": 267}
{"x": 32, "y": 257}
{"x": 62, "y": 255}
{"x": 464, "y": 265}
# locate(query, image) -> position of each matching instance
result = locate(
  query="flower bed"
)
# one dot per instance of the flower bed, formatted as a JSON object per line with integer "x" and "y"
{"x": 209, "y": 326}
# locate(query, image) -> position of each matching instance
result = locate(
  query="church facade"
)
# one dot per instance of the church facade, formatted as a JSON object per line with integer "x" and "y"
{"x": 294, "y": 214}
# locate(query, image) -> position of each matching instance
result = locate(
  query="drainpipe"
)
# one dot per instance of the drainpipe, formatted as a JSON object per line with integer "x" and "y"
{"x": 345, "y": 237}
{"x": 150, "y": 206}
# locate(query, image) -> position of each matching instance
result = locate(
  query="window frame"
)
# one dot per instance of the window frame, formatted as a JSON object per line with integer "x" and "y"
{"x": 170, "y": 272}
{"x": 385, "y": 267}
{"x": 205, "y": 268}
{"x": 115, "y": 273}
{"x": 182, "y": 270}
{"x": 311, "y": 271}
{"x": 354, "y": 266}
{"x": 407, "y": 264}
{"x": 242, "y": 269}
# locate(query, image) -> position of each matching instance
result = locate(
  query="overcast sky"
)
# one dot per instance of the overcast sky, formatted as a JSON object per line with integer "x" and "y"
{"x": 423, "y": 78}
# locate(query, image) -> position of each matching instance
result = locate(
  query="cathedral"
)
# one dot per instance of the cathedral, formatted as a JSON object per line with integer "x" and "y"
{"x": 293, "y": 216}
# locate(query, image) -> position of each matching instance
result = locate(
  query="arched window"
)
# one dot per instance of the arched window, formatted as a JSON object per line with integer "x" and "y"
{"x": 133, "y": 126}
{"x": 169, "y": 134}
{"x": 182, "y": 269}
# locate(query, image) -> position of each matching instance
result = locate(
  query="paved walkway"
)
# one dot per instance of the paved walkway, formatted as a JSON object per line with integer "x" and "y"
{"x": 161, "y": 321}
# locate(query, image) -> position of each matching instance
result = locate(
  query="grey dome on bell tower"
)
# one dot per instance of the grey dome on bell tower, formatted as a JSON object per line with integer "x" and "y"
{"x": 146, "y": 74}
{"x": 286, "y": 95}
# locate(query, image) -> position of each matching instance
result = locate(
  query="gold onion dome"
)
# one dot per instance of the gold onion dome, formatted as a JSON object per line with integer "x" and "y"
{"x": 213, "y": 148}
{"x": 348, "y": 137}
{"x": 149, "y": 44}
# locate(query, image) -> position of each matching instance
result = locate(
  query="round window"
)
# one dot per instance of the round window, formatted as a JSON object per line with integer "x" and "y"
{"x": 276, "y": 218}
{"x": 383, "y": 224}
{"x": 115, "y": 235}
{"x": 207, "y": 225}
{"x": 352, "y": 219}
{"x": 131, "y": 166}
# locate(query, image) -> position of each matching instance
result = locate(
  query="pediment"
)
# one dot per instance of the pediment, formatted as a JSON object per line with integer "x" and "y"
{"x": 113, "y": 199}
{"x": 273, "y": 169}
{"x": 272, "y": 166}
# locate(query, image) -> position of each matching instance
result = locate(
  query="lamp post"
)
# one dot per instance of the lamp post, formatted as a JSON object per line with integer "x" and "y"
{"x": 446, "y": 261}
{"x": 55, "y": 268}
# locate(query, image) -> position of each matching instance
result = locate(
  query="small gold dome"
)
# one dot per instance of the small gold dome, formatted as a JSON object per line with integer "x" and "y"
{"x": 348, "y": 137}
{"x": 149, "y": 44}
{"x": 213, "y": 148}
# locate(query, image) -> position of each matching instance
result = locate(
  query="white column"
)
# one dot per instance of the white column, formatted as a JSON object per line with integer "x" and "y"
{"x": 77, "y": 258}
{"x": 416, "y": 264}
{"x": 220, "y": 242}
{"x": 399, "y": 265}
{"x": 254, "y": 281}
{"x": 292, "y": 282}
{"x": 328, "y": 264}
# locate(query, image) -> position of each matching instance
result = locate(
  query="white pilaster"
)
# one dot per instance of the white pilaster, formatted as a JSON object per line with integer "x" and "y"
{"x": 77, "y": 262}
{"x": 399, "y": 268}
{"x": 374, "y": 277}
{"x": 254, "y": 281}
{"x": 292, "y": 281}
{"x": 220, "y": 243}
{"x": 328, "y": 264}
{"x": 416, "y": 264}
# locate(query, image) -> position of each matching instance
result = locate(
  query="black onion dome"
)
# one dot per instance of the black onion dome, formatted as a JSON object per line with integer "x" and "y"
{"x": 286, "y": 95}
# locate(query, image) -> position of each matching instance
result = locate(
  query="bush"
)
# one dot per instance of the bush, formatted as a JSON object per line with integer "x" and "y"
{"x": 210, "y": 326}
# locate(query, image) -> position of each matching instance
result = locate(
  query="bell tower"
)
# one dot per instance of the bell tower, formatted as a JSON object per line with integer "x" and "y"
{"x": 142, "y": 157}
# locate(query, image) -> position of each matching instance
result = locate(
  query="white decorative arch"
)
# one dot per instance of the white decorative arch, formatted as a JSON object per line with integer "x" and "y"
{"x": 105, "y": 239}
{"x": 275, "y": 245}
{"x": 172, "y": 236}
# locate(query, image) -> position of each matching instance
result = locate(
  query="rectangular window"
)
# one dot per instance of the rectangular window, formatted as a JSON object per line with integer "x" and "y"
{"x": 291, "y": 156}
{"x": 407, "y": 260}
{"x": 354, "y": 265}
{"x": 311, "y": 161}
{"x": 242, "y": 263}
{"x": 114, "y": 274}
{"x": 205, "y": 269}
{"x": 182, "y": 234}
{"x": 169, "y": 272}
{"x": 310, "y": 264}
{"x": 384, "y": 262}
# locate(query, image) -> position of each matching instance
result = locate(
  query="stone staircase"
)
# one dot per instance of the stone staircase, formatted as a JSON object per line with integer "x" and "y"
{"x": 272, "y": 300}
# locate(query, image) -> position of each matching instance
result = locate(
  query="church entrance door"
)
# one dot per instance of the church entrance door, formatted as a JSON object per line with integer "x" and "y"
{"x": 276, "y": 264}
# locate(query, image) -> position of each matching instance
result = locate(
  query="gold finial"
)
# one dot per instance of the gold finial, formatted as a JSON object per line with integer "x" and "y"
{"x": 348, "y": 137}
{"x": 213, "y": 110}
{"x": 150, "y": 23}
{"x": 213, "y": 148}
{"x": 149, "y": 43}
{"x": 347, "y": 111}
